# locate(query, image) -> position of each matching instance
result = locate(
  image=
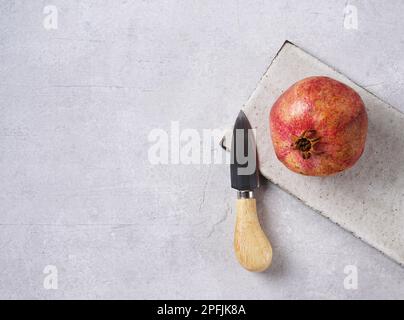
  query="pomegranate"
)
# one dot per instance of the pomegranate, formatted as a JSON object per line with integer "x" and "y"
{"x": 318, "y": 126}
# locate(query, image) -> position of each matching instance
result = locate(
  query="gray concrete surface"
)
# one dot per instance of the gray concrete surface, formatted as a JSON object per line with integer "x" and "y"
{"x": 78, "y": 192}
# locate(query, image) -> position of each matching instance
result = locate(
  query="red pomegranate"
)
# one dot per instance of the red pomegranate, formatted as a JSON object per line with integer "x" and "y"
{"x": 318, "y": 126}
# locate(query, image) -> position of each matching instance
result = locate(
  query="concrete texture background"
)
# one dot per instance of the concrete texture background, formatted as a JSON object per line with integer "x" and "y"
{"x": 77, "y": 190}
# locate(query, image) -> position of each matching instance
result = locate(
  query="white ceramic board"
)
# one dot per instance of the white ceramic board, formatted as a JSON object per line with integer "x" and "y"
{"x": 366, "y": 199}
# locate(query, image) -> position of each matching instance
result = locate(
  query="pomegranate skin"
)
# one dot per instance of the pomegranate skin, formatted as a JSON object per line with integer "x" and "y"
{"x": 318, "y": 126}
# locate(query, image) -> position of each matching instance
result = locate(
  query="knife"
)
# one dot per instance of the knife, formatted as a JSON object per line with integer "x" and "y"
{"x": 252, "y": 247}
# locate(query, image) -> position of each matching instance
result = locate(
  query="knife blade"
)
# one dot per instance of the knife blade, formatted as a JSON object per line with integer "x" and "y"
{"x": 252, "y": 248}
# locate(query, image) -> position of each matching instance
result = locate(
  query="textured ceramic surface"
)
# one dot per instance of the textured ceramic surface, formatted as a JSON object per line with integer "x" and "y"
{"x": 366, "y": 199}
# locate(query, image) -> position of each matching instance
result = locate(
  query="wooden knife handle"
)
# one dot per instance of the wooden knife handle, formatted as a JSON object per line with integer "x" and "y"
{"x": 252, "y": 247}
